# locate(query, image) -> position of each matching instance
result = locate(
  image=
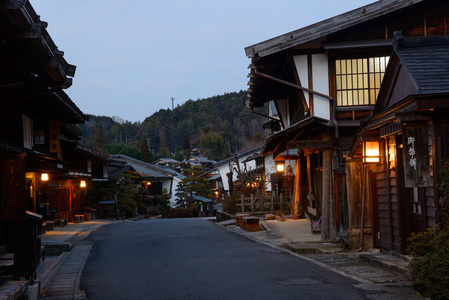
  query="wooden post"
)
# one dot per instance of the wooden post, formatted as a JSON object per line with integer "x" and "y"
{"x": 242, "y": 199}
{"x": 297, "y": 190}
{"x": 272, "y": 204}
{"x": 252, "y": 203}
{"x": 325, "y": 206}
{"x": 281, "y": 201}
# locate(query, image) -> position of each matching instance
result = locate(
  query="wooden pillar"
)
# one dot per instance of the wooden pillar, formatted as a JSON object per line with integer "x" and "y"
{"x": 297, "y": 189}
{"x": 325, "y": 205}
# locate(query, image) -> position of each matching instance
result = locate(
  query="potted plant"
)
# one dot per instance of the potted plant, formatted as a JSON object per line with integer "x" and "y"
{"x": 295, "y": 214}
{"x": 280, "y": 215}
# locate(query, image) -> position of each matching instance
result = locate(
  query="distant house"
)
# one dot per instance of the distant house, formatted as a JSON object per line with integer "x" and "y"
{"x": 199, "y": 161}
{"x": 229, "y": 169}
{"x": 169, "y": 162}
{"x": 154, "y": 177}
{"x": 324, "y": 80}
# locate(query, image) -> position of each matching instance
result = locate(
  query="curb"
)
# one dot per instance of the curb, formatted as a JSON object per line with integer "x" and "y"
{"x": 47, "y": 277}
{"x": 385, "y": 264}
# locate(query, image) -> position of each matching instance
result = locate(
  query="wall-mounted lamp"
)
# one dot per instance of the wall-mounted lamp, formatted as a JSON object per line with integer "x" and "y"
{"x": 44, "y": 177}
{"x": 83, "y": 183}
{"x": 280, "y": 167}
{"x": 371, "y": 152}
{"x": 148, "y": 182}
{"x": 216, "y": 193}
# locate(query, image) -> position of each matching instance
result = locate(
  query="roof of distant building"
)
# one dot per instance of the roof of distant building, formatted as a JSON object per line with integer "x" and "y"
{"x": 146, "y": 169}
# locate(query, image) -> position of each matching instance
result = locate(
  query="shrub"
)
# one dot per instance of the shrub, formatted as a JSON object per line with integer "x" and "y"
{"x": 431, "y": 261}
{"x": 181, "y": 212}
{"x": 154, "y": 211}
{"x": 229, "y": 204}
{"x": 430, "y": 250}
{"x": 127, "y": 207}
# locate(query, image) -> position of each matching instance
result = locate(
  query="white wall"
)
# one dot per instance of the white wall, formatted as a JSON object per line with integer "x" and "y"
{"x": 166, "y": 184}
{"x": 283, "y": 111}
{"x": 320, "y": 76}
{"x": 320, "y": 80}
{"x": 223, "y": 170}
{"x": 270, "y": 167}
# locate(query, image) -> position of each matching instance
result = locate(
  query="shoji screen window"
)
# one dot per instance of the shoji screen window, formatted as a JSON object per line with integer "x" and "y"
{"x": 358, "y": 80}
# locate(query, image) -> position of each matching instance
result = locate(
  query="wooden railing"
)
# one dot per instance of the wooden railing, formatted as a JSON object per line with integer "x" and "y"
{"x": 261, "y": 204}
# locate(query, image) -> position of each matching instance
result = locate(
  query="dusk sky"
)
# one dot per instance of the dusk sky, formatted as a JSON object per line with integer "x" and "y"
{"x": 133, "y": 56}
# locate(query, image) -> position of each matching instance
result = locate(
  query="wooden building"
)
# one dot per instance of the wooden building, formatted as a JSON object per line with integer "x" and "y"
{"x": 409, "y": 125}
{"x": 324, "y": 80}
{"x": 37, "y": 121}
{"x": 155, "y": 178}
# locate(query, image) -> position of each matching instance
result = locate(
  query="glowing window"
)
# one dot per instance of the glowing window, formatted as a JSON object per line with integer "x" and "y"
{"x": 358, "y": 80}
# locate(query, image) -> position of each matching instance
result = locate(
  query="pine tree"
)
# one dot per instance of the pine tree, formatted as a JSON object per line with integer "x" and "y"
{"x": 192, "y": 184}
{"x": 186, "y": 145}
{"x": 99, "y": 141}
{"x": 145, "y": 150}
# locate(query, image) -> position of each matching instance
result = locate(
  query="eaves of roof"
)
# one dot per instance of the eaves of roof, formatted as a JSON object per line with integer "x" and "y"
{"x": 239, "y": 155}
{"x": 274, "y": 141}
{"x": 163, "y": 172}
{"x": 326, "y": 27}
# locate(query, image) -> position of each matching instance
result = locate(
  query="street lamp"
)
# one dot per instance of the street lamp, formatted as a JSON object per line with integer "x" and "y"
{"x": 280, "y": 167}
{"x": 371, "y": 152}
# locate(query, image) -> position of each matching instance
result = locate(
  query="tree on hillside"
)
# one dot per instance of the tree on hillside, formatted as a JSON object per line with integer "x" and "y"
{"x": 163, "y": 141}
{"x": 145, "y": 150}
{"x": 212, "y": 144}
{"x": 186, "y": 145}
{"x": 166, "y": 129}
{"x": 122, "y": 148}
{"x": 99, "y": 140}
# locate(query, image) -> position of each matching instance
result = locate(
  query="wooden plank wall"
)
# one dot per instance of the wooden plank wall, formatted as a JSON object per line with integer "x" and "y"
{"x": 429, "y": 192}
{"x": 387, "y": 195}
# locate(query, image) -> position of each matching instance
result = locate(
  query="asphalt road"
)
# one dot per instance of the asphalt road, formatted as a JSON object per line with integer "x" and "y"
{"x": 196, "y": 259}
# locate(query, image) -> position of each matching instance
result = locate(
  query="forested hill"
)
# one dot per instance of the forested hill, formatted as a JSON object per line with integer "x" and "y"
{"x": 219, "y": 125}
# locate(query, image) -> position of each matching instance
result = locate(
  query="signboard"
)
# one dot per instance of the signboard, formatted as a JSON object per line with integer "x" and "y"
{"x": 54, "y": 137}
{"x": 417, "y": 170}
{"x": 39, "y": 137}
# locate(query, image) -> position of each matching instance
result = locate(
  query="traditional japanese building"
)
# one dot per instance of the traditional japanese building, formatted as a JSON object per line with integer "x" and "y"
{"x": 324, "y": 80}
{"x": 409, "y": 127}
{"x": 38, "y": 135}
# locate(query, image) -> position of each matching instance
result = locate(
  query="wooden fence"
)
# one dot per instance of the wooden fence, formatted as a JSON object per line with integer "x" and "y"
{"x": 262, "y": 204}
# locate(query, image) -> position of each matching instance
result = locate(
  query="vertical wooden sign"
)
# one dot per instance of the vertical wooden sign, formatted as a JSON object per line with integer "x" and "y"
{"x": 416, "y": 156}
{"x": 54, "y": 137}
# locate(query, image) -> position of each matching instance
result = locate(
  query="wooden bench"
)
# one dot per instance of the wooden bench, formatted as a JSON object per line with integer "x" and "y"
{"x": 238, "y": 219}
{"x": 250, "y": 223}
{"x": 61, "y": 222}
{"x": 50, "y": 225}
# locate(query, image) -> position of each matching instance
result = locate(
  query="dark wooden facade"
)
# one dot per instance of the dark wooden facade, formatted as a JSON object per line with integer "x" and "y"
{"x": 411, "y": 122}
{"x": 38, "y": 133}
{"x": 326, "y": 62}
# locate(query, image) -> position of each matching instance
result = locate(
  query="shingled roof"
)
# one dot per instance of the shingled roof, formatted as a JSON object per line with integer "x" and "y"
{"x": 427, "y": 61}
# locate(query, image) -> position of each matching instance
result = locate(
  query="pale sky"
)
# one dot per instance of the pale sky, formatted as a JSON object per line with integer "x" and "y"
{"x": 133, "y": 56}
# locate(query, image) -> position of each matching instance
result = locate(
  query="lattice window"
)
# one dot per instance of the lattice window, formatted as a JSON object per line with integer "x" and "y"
{"x": 358, "y": 80}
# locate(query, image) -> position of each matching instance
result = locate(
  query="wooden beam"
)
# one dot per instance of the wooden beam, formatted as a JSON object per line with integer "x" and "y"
{"x": 308, "y": 144}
